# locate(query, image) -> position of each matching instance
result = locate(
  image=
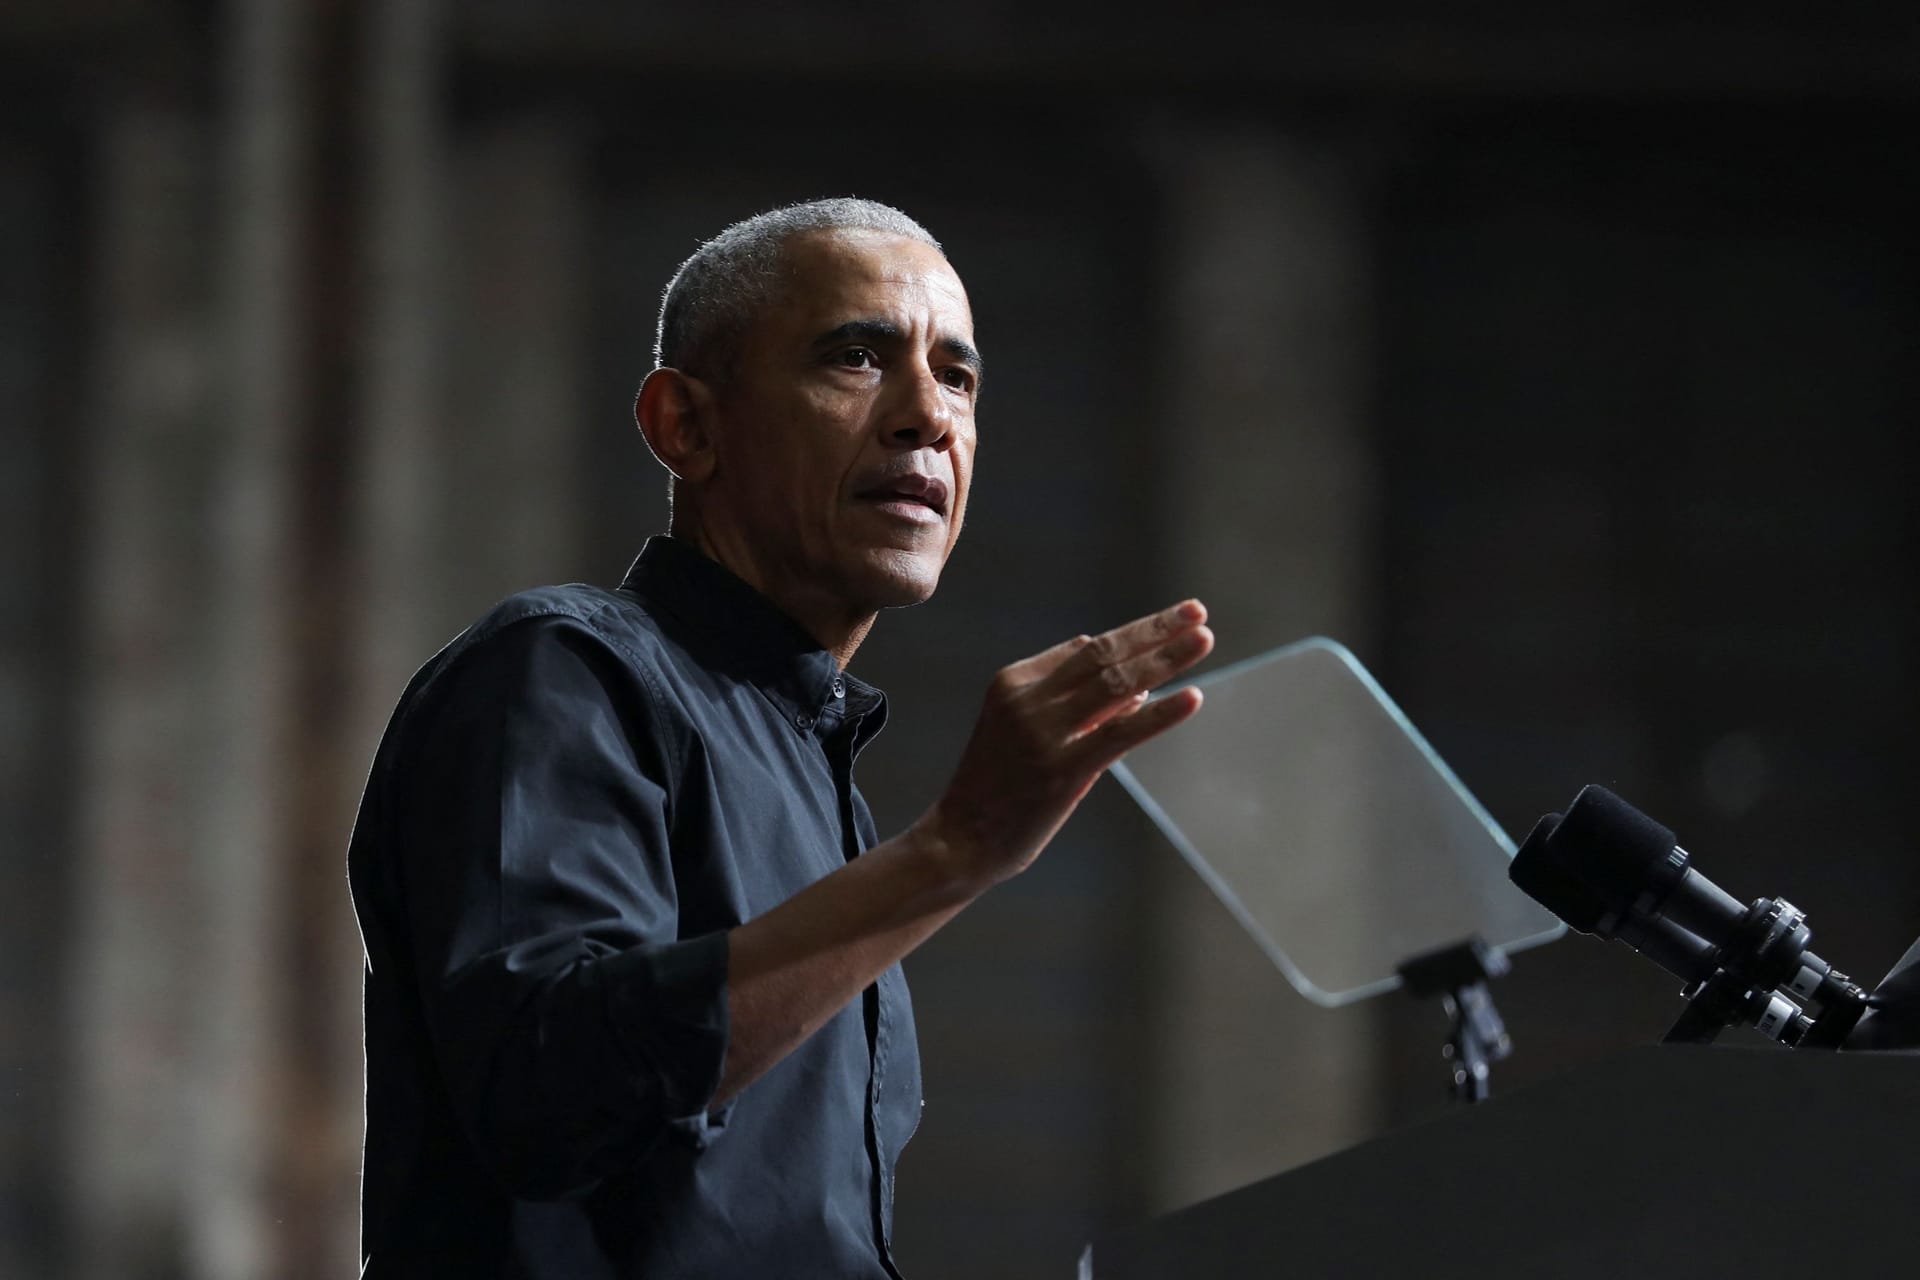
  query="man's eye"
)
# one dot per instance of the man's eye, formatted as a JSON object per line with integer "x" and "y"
{"x": 858, "y": 358}
{"x": 958, "y": 379}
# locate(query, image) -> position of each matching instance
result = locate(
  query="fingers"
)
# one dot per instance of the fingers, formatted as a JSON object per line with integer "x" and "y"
{"x": 1121, "y": 734}
{"x": 1131, "y": 639}
{"x": 1073, "y": 659}
{"x": 1045, "y": 663}
{"x": 1103, "y": 691}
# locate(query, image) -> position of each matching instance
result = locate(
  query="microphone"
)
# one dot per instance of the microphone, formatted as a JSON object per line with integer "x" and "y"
{"x": 1609, "y": 870}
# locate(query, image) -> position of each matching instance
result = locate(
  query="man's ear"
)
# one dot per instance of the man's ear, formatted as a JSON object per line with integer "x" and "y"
{"x": 675, "y": 413}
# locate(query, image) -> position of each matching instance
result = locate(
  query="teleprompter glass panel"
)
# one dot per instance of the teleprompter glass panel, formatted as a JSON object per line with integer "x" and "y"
{"x": 1328, "y": 826}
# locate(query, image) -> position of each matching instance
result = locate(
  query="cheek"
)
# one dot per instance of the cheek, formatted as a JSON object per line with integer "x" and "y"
{"x": 963, "y": 457}
{"x": 785, "y": 461}
{"x": 962, "y": 487}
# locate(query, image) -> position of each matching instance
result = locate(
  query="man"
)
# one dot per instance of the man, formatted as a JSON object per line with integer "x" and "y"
{"x": 633, "y": 997}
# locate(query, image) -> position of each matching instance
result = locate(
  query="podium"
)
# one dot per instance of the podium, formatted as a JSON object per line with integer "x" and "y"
{"x": 1668, "y": 1161}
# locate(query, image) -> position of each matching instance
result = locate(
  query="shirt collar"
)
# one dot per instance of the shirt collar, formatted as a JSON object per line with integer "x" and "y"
{"x": 744, "y": 631}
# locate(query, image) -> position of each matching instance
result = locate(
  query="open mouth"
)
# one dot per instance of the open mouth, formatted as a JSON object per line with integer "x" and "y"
{"x": 909, "y": 493}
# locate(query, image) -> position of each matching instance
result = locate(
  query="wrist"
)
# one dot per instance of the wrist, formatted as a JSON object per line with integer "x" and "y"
{"x": 953, "y": 870}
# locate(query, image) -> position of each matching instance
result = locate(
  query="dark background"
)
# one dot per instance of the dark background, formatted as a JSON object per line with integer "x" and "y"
{"x": 1563, "y": 367}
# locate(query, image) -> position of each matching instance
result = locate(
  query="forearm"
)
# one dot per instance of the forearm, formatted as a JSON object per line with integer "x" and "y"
{"x": 792, "y": 969}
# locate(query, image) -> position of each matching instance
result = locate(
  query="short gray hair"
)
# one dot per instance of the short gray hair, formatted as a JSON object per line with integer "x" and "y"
{"x": 711, "y": 297}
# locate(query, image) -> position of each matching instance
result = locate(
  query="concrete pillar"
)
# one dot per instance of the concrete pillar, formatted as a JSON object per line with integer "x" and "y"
{"x": 138, "y": 892}
{"x": 397, "y": 492}
{"x": 235, "y": 1095}
{"x": 512, "y": 459}
{"x": 1267, "y": 475}
{"x": 394, "y": 503}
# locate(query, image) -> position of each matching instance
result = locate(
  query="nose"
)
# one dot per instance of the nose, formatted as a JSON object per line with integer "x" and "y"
{"x": 920, "y": 414}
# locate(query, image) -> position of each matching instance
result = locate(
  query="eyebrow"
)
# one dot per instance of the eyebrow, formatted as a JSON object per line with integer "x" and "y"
{"x": 886, "y": 331}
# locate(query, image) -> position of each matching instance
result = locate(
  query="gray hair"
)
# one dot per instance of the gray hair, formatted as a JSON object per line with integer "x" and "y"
{"x": 712, "y": 296}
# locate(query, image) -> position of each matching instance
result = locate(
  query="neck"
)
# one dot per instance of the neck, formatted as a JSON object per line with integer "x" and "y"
{"x": 834, "y": 625}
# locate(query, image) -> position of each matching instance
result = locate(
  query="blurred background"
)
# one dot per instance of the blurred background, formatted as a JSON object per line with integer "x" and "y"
{"x": 1565, "y": 368}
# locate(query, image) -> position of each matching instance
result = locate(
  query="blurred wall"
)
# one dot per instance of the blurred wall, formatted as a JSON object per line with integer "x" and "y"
{"x": 1565, "y": 368}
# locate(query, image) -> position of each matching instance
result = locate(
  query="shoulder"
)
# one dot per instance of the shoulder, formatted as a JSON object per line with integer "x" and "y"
{"x": 596, "y": 614}
{"x": 553, "y": 665}
{"x": 573, "y": 633}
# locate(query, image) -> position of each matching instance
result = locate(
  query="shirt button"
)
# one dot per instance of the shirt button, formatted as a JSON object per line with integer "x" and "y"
{"x": 803, "y": 723}
{"x": 839, "y": 688}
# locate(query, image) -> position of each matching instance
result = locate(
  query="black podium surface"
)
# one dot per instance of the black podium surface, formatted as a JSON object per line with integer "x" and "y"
{"x": 1667, "y": 1161}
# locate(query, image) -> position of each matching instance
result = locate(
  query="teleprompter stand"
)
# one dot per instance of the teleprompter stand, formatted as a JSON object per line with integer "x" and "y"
{"x": 1459, "y": 974}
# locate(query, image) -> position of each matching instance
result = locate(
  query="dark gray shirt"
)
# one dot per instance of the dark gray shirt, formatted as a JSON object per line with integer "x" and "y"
{"x": 573, "y": 803}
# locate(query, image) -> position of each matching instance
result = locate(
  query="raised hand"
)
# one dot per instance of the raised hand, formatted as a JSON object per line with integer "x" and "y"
{"x": 1050, "y": 725}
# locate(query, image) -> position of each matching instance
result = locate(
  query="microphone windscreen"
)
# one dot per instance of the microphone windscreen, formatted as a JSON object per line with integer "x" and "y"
{"x": 1616, "y": 850}
{"x": 1539, "y": 875}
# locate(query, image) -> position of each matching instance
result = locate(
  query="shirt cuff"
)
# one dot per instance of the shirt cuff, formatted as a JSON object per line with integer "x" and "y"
{"x": 667, "y": 1007}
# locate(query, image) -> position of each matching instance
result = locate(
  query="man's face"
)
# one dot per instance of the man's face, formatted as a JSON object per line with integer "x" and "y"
{"x": 844, "y": 434}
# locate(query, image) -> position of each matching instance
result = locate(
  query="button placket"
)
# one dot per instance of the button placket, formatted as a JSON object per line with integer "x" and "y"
{"x": 881, "y": 1041}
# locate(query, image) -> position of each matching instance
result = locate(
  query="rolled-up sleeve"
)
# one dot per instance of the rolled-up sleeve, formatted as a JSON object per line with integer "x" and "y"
{"x": 571, "y": 1022}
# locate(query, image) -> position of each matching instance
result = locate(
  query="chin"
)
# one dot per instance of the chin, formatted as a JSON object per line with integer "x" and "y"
{"x": 896, "y": 579}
